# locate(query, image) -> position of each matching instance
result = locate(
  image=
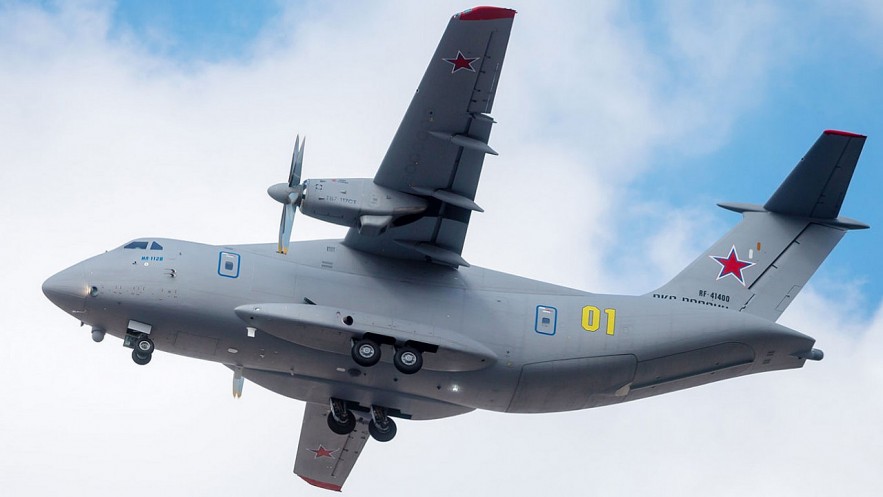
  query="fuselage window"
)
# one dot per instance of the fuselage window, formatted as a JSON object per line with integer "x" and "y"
{"x": 155, "y": 246}
{"x": 228, "y": 264}
{"x": 136, "y": 245}
{"x": 547, "y": 320}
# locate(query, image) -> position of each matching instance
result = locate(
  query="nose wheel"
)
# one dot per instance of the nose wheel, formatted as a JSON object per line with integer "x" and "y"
{"x": 143, "y": 350}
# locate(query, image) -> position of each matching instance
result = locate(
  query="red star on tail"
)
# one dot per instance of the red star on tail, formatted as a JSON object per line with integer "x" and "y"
{"x": 732, "y": 265}
{"x": 461, "y": 62}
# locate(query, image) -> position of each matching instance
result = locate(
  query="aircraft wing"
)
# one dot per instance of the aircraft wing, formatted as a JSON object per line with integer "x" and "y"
{"x": 439, "y": 148}
{"x": 324, "y": 458}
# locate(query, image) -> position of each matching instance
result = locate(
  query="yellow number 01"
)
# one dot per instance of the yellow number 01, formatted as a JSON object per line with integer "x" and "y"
{"x": 592, "y": 319}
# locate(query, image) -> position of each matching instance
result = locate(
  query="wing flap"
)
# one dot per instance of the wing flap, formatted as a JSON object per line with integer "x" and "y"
{"x": 325, "y": 459}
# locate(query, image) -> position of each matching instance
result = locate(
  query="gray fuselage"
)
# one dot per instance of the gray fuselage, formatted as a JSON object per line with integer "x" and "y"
{"x": 555, "y": 348}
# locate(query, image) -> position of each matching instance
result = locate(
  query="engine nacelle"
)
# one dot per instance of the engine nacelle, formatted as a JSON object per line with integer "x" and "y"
{"x": 358, "y": 203}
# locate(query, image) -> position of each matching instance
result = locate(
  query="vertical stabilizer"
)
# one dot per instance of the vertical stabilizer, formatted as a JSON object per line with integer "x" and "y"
{"x": 764, "y": 261}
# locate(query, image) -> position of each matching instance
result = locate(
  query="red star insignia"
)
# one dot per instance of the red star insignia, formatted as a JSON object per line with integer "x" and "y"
{"x": 322, "y": 452}
{"x": 732, "y": 265}
{"x": 461, "y": 62}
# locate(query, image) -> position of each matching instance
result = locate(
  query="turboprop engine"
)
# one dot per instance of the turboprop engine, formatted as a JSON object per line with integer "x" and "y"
{"x": 357, "y": 203}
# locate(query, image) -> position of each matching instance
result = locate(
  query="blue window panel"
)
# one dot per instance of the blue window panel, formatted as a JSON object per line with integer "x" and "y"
{"x": 136, "y": 245}
{"x": 546, "y": 321}
{"x": 155, "y": 246}
{"x": 228, "y": 264}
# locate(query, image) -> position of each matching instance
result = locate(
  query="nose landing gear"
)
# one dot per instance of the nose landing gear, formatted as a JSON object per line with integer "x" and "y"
{"x": 142, "y": 350}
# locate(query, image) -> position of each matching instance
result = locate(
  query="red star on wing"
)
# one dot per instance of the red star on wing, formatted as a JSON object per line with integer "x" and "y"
{"x": 731, "y": 265}
{"x": 461, "y": 62}
{"x": 322, "y": 452}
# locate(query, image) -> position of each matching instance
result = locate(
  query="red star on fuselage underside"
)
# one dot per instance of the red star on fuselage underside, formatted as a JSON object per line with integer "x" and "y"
{"x": 731, "y": 265}
{"x": 322, "y": 452}
{"x": 461, "y": 62}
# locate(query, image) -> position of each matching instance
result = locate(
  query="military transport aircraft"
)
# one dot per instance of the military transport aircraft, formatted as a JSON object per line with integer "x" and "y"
{"x": 391, "y": 321}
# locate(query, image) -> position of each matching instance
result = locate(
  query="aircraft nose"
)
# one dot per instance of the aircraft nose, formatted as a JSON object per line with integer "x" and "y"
{"x": 67, "y": 289}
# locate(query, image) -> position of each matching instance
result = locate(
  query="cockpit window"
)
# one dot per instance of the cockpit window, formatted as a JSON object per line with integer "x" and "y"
{"x": 155, "y": 246}
{"x": 136, "y": 245}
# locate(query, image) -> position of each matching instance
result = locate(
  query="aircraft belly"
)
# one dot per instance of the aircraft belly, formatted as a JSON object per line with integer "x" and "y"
{"x": 571, "y": 384}
{"x": 319, "y": 390}
{"x": 651, "y": 349}
{"x": 705, "y": 361}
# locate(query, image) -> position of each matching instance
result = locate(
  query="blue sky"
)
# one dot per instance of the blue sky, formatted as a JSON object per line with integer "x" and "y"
{"x": 828, "y": 82}
{"x": 201, "y": 30}
{"x": 620, "y": 125}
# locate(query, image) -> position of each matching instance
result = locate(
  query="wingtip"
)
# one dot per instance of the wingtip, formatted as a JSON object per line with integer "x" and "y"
{"x": 485, "y": 13}
{"x": 843, "y": 133}
{"x": 322, "y": 484}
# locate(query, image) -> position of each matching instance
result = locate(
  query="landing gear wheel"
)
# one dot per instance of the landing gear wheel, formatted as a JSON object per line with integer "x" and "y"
{"x": 344, "y": 427}
{"x": 366, "y": 352}
{"x": 384, "y": 434}
{"x": 144, "y": 345}
{"x": 408, "y": 360}
{"x": 139, "y": 358}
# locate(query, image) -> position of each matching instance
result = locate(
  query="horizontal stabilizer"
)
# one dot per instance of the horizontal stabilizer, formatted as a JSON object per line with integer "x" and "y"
{"x": 817, "y": 186}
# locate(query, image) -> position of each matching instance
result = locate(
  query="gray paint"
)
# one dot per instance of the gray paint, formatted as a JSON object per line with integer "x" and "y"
{"x": 280, "y": 320}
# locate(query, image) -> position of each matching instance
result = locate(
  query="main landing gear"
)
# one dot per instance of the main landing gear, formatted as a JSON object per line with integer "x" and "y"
{"x": 342, "y": 421}
{"x": 381, "y": 427}
{"x": 407, "y": 359}
{"x": 143, "y": 349}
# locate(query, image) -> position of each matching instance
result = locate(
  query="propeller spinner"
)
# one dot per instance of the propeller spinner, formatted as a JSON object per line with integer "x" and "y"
{"x": 290, "y": 195}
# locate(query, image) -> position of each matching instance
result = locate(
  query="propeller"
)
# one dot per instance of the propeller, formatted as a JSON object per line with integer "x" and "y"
{"x": 290, "y": 195}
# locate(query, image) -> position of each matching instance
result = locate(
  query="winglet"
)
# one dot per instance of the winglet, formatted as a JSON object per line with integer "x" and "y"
{"x": 322, "y": 484}
{"x": 484, "y": 13}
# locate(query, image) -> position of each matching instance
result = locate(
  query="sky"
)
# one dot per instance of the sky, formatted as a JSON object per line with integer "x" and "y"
{"x": 620, "y": 125}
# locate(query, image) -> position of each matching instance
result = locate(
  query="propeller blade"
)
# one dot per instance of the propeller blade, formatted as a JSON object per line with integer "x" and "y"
{"x": 291, "y": 170}
{"x": 297, "y": 162}
{"x": 285, "y": 223}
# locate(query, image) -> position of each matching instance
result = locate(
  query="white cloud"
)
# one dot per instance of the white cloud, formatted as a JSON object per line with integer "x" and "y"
{"x": 104, "y": 142}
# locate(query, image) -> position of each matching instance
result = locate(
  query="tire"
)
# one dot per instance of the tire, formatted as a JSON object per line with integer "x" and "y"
{"x": 141, "y": 359}
{"x": 144, "y": 345}
{"x": 366, "y": 352}
{"x": 344, "y": 428}
{"x": 384, "y": 435}
{"x": 408, "y": 360}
